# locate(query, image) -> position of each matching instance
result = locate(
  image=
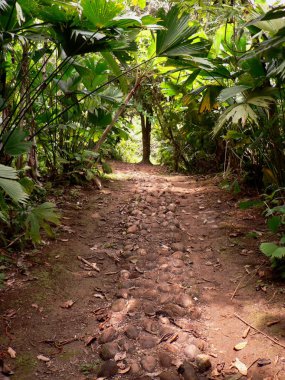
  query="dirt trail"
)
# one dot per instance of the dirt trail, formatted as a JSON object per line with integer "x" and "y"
{"x": 171, "y": 251}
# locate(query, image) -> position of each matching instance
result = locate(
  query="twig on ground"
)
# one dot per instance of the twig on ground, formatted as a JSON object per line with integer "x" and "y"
{"x": 259, "y": 331}
{"x": 238, "y": 285}
{"x": 274, "y": 294}
{"x": 91, "y": 265}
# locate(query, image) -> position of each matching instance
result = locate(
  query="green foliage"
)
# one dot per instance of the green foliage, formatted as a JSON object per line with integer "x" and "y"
{"x": 10, "y": 184}
{"x": 276, "y": 224}
{"x": 41, "y": 217}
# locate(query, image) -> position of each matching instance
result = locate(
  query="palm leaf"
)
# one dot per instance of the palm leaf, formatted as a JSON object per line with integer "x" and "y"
{"x": 176, "y": 33}
{"x": 10, "y": 185}
{"x": 100, "y": 12}
{"x": 231, "y": 92}
{"x": 236, "y": 113}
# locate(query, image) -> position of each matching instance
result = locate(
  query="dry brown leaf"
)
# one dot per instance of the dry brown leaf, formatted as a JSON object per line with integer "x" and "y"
{"x": 11, "y": 352}
{"x": 67, "y": 304}
{"x": 240, "y": 345}
{"x": 240, "y": 366}
{"x": 98, "y": 295}
{"x": 125, "y": 370}
{"x": 246, "y": 332}
{"x": 43, "y": 358}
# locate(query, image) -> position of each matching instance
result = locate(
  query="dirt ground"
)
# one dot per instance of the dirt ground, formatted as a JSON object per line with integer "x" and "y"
{"x": 156, "y": 276}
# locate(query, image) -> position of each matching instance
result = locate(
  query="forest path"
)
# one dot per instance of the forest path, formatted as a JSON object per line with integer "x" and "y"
{"x": 176, "y": 261}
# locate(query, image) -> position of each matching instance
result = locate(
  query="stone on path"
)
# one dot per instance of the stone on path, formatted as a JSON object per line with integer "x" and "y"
{"x": 169, "y": 375}
{"x": 148, "y": 363}
{"x": 191, "y": 351}
{"x": 108, "y": 350}
{"x": 108, "y": 369}
{"x": 107, "y": 335}
{"x": 132, "y": 332}
{"x": 118, "y": 305}
{"x": 203, "y": 362}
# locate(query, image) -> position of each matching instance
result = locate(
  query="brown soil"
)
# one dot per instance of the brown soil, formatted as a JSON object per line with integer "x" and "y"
{"x": 178, "y": 265}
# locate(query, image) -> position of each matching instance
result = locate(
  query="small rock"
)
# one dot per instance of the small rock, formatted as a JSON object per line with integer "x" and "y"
{"x": 108, "y": 369}
{"x": 164, "y": 359}
{"x": 164, "y": 288}
{"x": 187, "y": 371}
{"x": 135, "y": 368}
{"x": 122, "y": 293}
{"x": 133, "y": 229}
{"x": 141, "y": 252}
{"x": 165, "y": 298}
{"x": 203, "y": 362}
{"x": 125, "y": 274}
{"x": 118, "y": 305}
{"x": 148, "y": 341}
{"x": 191, "y": 351}
{"x": 148, "y": 363}
{"x": 107, "y": 336}
{"x": 185, "y": 301}
{"x": 169, "y": 375}
{"x": 195, "y": 313}
{"x": 177, "y": 263}
{"x": 171, "y": 207}
{"x": 178, "y": 255}
{"x": 178, "y": 246}
{"x": 150, "y": 294}
{"x": 132, "y": 332}
{"x": 108, "y": 350}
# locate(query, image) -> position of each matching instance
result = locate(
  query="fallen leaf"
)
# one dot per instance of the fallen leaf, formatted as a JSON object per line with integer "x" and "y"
{"x": 98, "y": 295}
{"x": 246, "y": 332}
{"x": 240, "y": 366}
{"x": 125, "y": 370}
{"x": 67, "y": 304}
{"x": 263, "y": 362}
{"x": 11, "y": 352}
{"x": 43, "y": 358}
{"x": 240, "y": 346}
{"x": 268, "y": 324}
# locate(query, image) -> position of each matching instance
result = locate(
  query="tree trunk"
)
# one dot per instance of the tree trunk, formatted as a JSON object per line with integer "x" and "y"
{"x": 119, "y": 112}
{"x": 146, "y": 131}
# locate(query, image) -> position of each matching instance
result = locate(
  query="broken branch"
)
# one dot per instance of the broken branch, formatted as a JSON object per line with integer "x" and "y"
{"x": 91, "y": 265}
{"x": 259, "y": 331}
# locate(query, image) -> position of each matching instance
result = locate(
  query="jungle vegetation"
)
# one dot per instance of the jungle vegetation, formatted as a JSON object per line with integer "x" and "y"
{"x": 205, "y": 79}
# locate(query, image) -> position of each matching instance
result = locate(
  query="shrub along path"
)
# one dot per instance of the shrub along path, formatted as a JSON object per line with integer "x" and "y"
{"x": 146, "y": 281}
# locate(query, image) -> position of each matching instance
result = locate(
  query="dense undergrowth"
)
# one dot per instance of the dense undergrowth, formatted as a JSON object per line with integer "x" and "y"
{"x": 82, "y": 82}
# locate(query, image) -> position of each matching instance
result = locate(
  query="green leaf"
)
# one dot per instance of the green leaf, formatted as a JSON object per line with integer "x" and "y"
{"x": 268, "y": 248}
{"x": 41, "y": 217}
{"x": 101, "y": 12}
{"x": 14, "y": 190}
{"x": 274, "y": 223}
{"x": 279, "y": 253}
{"x": 250, "y": 203}
{"x": 176, "y": 33}
{"x": 10, "y": 185}
{"x": 116, "y": 70}
{"x": 230, "y": 92}
{"x": 15, "y": 142}
{"x": 236, "y": 113}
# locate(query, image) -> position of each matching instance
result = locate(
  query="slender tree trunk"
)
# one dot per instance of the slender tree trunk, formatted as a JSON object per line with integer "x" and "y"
{"x": 146, "y": 133}
{"x": 117, "y": 115}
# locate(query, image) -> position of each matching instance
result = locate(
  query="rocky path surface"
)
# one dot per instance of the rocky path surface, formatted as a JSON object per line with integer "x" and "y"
{"x": 147, "y": 281}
